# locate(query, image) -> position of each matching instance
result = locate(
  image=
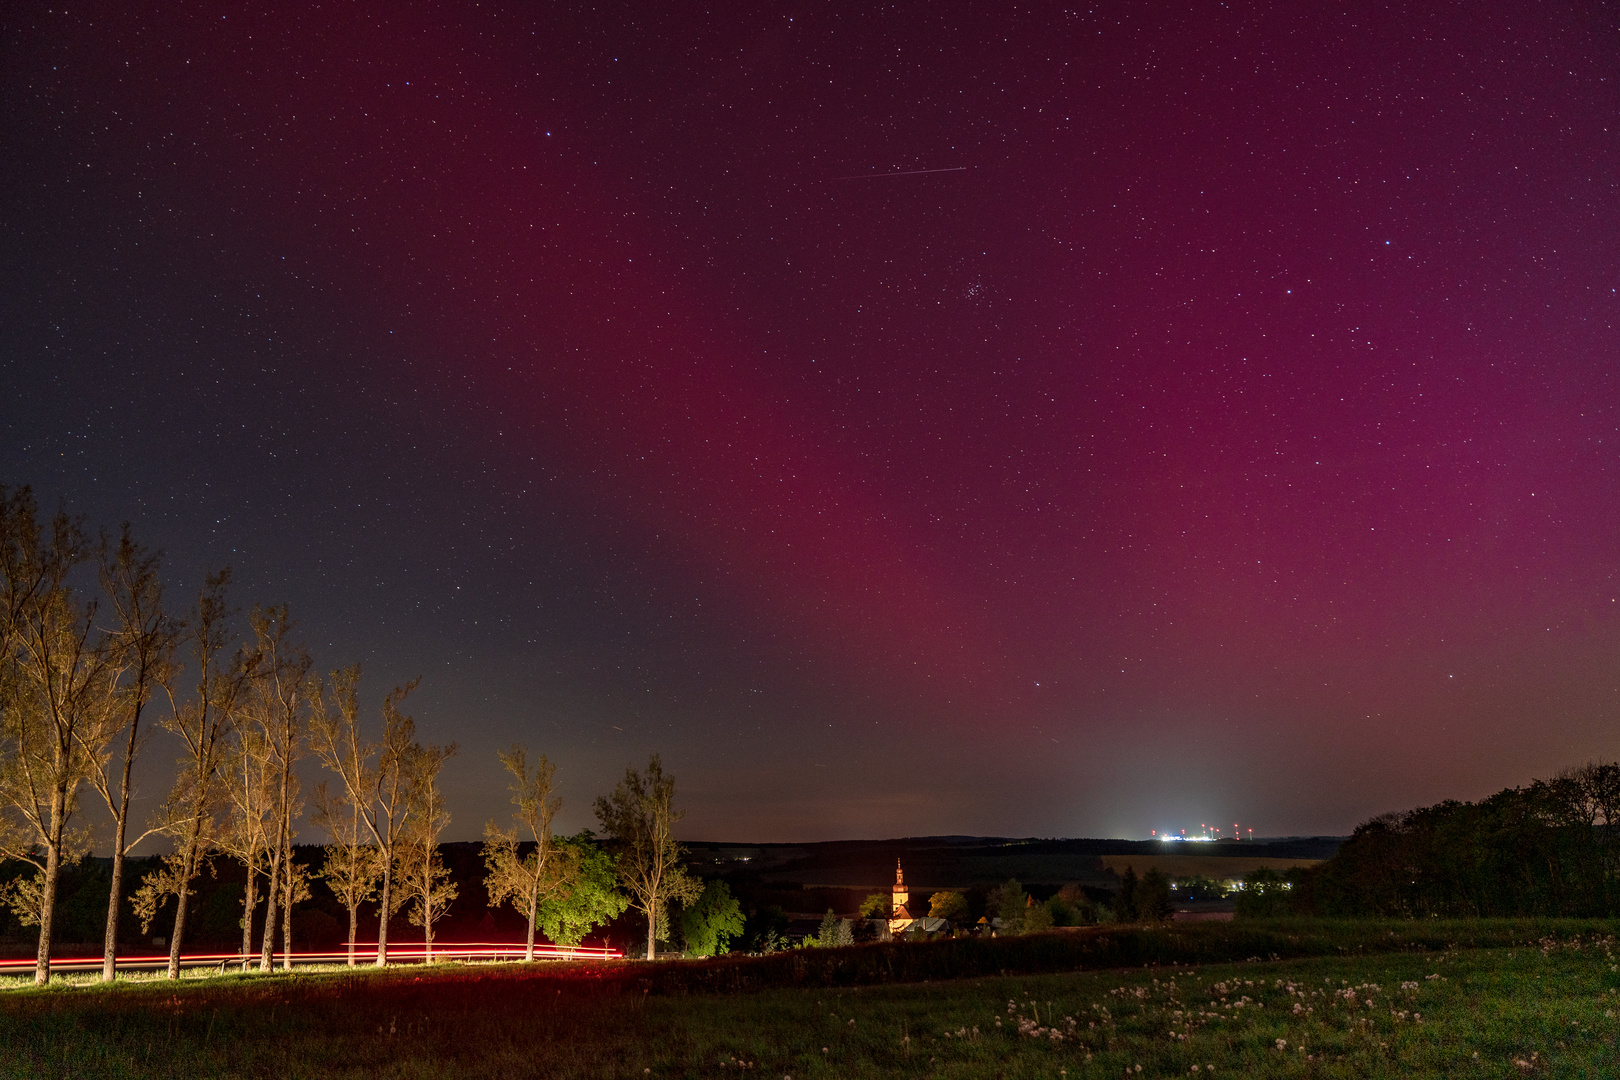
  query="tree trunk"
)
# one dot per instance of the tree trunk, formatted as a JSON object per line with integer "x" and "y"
{"x": 182, "y": 894}
{"x": 354, "y": 929}
{"x": 250, "y": 900}
{"x": 652, "y": 931}
{"x": 109, "y": 944}
{"x": 382, "y": 913}
{"x": 47, "y": 897}
{"x": 427, "y": 906}
{"x": 534, "y": 910}
{"x": 286, "y": 909}
{"x": 267, "y": 950}
{"x": 109, "y": 941}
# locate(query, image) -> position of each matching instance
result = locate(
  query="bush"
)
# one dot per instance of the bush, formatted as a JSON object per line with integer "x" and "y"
{"x": 1265, "y": 895}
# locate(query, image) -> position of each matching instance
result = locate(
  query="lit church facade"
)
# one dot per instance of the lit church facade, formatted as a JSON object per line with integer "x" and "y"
{"x": 900, "y": 913}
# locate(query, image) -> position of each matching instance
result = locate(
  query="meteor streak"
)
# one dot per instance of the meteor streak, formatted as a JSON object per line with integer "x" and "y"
{"x": 913, "y": 172}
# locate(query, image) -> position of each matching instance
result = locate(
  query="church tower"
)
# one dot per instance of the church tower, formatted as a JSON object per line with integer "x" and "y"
{"x": 900, "y": 917}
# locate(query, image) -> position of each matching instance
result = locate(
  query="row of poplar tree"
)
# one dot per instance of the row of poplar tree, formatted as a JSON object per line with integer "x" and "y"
{"x": 90, "y": 660}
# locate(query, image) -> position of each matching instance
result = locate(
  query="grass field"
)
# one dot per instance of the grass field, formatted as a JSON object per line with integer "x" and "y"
{"x": 1528, "y": 1000}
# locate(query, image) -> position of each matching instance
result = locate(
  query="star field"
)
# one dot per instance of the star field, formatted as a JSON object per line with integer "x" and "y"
{"x": 907, "y": 419}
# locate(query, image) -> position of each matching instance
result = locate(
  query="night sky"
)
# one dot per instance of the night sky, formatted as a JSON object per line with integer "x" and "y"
{"x": 934, "y": 418}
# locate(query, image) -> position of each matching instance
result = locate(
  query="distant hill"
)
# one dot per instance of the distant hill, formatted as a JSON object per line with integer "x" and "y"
{"x": 960, "y": 862}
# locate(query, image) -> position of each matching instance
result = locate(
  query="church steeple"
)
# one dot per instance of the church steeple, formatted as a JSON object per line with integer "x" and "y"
{"x": 900, "y": 917}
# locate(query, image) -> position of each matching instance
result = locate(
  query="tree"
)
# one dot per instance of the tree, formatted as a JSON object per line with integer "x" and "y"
{"x": 251, "y": 792}
{"x": 278, "y": 710}
{"x": 190, "y": 815}
{"x": 55, "y": 690}
{"x": 1125, "y": 902}
{"x": 1153, "y": 897}
{"x": 352, "y": 867}
{"x": 295, "y": 879}
{"x": 376, "y": 777}
{"x": 425, "y": 884}
{"x": 709, "y": 922}
{"x": 1037, "y": 917}
{"x": 143, "y": 641}
{"x": 1264, "y": 894}
{"x": 832, "y": 933}
{"x": 584, "y": 893}
{"x": 948, "y": 905}
{"x": 1008, "y": 903}
{"x": 523, "y": 879}
{"x": 875, "y": 906}
{"x": 640, "y": 817}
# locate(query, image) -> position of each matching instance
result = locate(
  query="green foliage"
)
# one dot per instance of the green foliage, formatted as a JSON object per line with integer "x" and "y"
{"x": 833, "y": 933}
{"x": 1265, "y": 895}
{"x": 1037, "y": 917}
{"x": 1009, "y": 903}
{"x": 1153, "y": 897}
{"x": 1072, "y": 907}
{"x": 948, "y": 905}
{"x": 710, "y": 922}
{"x": 1062, "y": 913}
{"x": 875, "y": 906}
{"x": 586, "y": 895}
{"x": 1549, "y": 849}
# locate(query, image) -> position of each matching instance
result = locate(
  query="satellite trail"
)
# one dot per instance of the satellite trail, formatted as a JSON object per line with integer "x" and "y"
{"x": 913, "y": 172}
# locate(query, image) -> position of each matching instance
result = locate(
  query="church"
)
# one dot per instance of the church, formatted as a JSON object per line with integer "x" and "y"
{"x": 901, "y": 919}
{"x": 899, "y": 912}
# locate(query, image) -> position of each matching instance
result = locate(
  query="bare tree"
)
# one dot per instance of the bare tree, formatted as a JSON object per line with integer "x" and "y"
{"x": 640, "y": 817}
{"x": 280, "y": 710}
{"x": 424, "y": 880}
{"x": 295, "y": 887}
{"x": 55, "y": 692}
{"x": 143, "y": 641}
{"x": 191, "y": 814}
{"x": 352, "y": 866}
{"x": 523, "y": 880}
{"x": 376, "y": 777}
{"x": 249, "y": 780}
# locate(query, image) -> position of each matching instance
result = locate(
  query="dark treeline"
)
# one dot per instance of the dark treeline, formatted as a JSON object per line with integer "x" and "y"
{"x": 1549, "y": 849}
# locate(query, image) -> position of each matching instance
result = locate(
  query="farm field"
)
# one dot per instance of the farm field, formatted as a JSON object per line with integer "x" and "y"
{"x": 1216, "y": 867}
{"x": 1543, "y": 1005}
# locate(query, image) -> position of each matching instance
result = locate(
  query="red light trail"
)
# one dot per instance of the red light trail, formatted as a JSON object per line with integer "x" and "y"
{"x": 464, "y": 952}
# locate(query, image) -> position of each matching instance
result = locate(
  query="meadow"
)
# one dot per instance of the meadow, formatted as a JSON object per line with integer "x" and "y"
{"x": 1434, "y": 999}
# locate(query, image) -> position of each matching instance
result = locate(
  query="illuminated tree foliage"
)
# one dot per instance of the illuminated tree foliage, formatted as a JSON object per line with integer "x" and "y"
{"x": 640, "y": 817}
{"x": 249, "y": 783}
{"x": 876, "y": 906}
{"x": 948, "y": 905}
{"x": 352, "y": 867}
{"x": 710, "y": 922}
{"x": 584, "y": 892}
{"x": 142, "y": 643}
{"x": 425, "y": 888}
{"x": 377, "y": 782}
{"x": 190, "y": 816}
{"x": 54, "y": 685}
{"x": 278, "y": 711}
{"x": 524, "y": 878}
